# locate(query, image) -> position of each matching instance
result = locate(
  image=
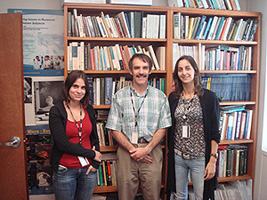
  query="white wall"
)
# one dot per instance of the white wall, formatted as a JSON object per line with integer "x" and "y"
{"x": 260, "y": 183}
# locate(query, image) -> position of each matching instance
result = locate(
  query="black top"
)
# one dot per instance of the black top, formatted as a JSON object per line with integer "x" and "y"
{"x": 211, "y": 114}
{"x": 61, "y": 144}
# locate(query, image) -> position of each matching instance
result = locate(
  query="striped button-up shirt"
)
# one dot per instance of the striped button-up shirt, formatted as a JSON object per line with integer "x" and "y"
{"x": 153, "y": 115}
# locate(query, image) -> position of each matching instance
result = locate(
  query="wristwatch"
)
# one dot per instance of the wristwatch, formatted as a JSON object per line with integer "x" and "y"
{"x": 215, "y": 155}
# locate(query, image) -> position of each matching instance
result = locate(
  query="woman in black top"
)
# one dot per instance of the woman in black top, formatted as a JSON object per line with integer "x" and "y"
{"x": 194, "y": 136}
{"x": 75, "y": 156}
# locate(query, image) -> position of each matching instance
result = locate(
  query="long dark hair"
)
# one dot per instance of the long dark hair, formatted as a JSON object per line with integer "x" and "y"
{"x": 197, "y": 78}
{"x": 71, "y": 78}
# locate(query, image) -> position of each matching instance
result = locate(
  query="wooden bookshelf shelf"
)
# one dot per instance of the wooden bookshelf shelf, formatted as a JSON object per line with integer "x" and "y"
{"x": 229, "y": 103}
{"x": 108, "y": 148}
{"x": 229, "y": 179}
{"x": 132, "y": 40}
{"x": 105, "y": 189}
{"x": 105, "y": 72}
{"x": 233, "y": 178}
{"x": 228, "y": 71}
{"x": 101, "y": 107}
{"x": 214, "y": 42}
{"x": 223, "y": 142}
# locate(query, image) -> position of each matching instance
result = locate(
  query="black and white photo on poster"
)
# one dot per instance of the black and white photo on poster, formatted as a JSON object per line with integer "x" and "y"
{"x": 47, "y": 93}
{"x": 27, "y": 82}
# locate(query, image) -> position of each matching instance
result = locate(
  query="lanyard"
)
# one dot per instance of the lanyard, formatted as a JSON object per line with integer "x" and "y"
{"x": 81, "y": 124}
{"x": 186, "y": 110}
{"x": 136, "y": 113}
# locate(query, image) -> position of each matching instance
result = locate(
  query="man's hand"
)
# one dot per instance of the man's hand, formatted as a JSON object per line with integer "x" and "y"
{"x": 140, "y": 154}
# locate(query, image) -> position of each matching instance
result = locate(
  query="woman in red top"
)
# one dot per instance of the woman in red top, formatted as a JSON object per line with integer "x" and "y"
{"x": 75, "y": 155}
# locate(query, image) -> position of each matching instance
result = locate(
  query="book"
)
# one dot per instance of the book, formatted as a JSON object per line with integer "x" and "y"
{"x": 253, "y": 30}
{"x": 119, "y": 56}
{"x": 230, "y": 126}
{"x": 138, "y": 17}
{"x": 196, "y": 25}
{"x": 101, "y": 174}
{"x": 107, "y": 25}
{"x": 207, "y": 29}
{"x": 247, "y": 130}
{"x": 160, "y": 52}
{"x": 190, "y": 28}
{"x": 108, "y": 90}
{"x": 212, "y": 27}
{"x": 229, "y": 162}
{"x": 109, "y": 180}
{"x": 162, "y": 26}
{"x": 121, "y": 17}
{"x": 201, "y": 24}
{"x": 90, "y": 84}
{"x": 75, "y": 59}
{"x": 243, "y": 124}
{"x": 238, "y": 124}
{"x": 153, "y": 56}
{"x": 176, "y": 25}
{"x": 102, "y": 91}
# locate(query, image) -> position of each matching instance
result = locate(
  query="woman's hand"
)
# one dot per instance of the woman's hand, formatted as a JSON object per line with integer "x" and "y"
{"x": 98, "y": 155}
{"x": 90, "y": 168}
{"x": 210, "y": 169}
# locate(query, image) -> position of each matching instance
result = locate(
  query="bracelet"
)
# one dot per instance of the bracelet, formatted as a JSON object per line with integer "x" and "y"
{"x": 215, "y": 155}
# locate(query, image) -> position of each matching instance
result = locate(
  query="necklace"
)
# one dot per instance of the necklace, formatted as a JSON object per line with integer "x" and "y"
{"x": 186, "y": 109}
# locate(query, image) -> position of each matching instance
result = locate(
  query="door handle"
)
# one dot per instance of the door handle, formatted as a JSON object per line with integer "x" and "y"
{"x": 14, "y": 142}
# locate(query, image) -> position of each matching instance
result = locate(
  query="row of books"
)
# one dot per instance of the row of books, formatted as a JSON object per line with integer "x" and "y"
{"x": 231, "y": 87}
{"x": 82, "y": 56}
{"x": 104, "y": 135}
{"x": 207, "y": 4}
{"x": 235, "y": 122}
{"x": 106, "y": 173}
{"x": 241, "y": 190}
{"x": 179, "y": 50}
{"x": 132, "y": 24}
{"x": 232, "y": 160}
{"x": 226, "y": 58}
{"x": 102, "y": 89}
{"x": 214, "y": 28}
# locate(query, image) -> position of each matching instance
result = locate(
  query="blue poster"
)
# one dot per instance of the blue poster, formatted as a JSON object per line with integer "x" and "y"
{"x": 43, "y": 42}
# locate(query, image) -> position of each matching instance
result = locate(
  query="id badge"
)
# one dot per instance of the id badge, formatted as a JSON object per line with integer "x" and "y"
{"x": 134, "y": 137}
{"x": 186, "y": 132}
{"x": 83, "y": 161}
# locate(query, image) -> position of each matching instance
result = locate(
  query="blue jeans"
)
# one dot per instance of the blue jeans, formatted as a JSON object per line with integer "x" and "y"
{"x": 197, "y": 167}
{"x": 74, "y": 183}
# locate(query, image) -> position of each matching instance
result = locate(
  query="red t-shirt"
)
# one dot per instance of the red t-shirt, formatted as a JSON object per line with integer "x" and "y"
{"x": 71, "y": 161}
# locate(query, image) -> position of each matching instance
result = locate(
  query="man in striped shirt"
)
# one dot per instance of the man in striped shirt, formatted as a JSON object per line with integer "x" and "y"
{"x": 139, "y": 118}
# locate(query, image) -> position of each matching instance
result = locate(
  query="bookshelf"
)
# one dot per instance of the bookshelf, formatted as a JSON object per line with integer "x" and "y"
{"x": 167, "y": 42}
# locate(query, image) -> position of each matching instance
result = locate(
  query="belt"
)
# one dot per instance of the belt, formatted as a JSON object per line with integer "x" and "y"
{"x": 185, "y": 156}
{"x": 142, "y": 140}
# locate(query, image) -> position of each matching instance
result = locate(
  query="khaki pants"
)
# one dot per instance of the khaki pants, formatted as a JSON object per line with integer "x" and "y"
{"x": 130, "y": 173}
